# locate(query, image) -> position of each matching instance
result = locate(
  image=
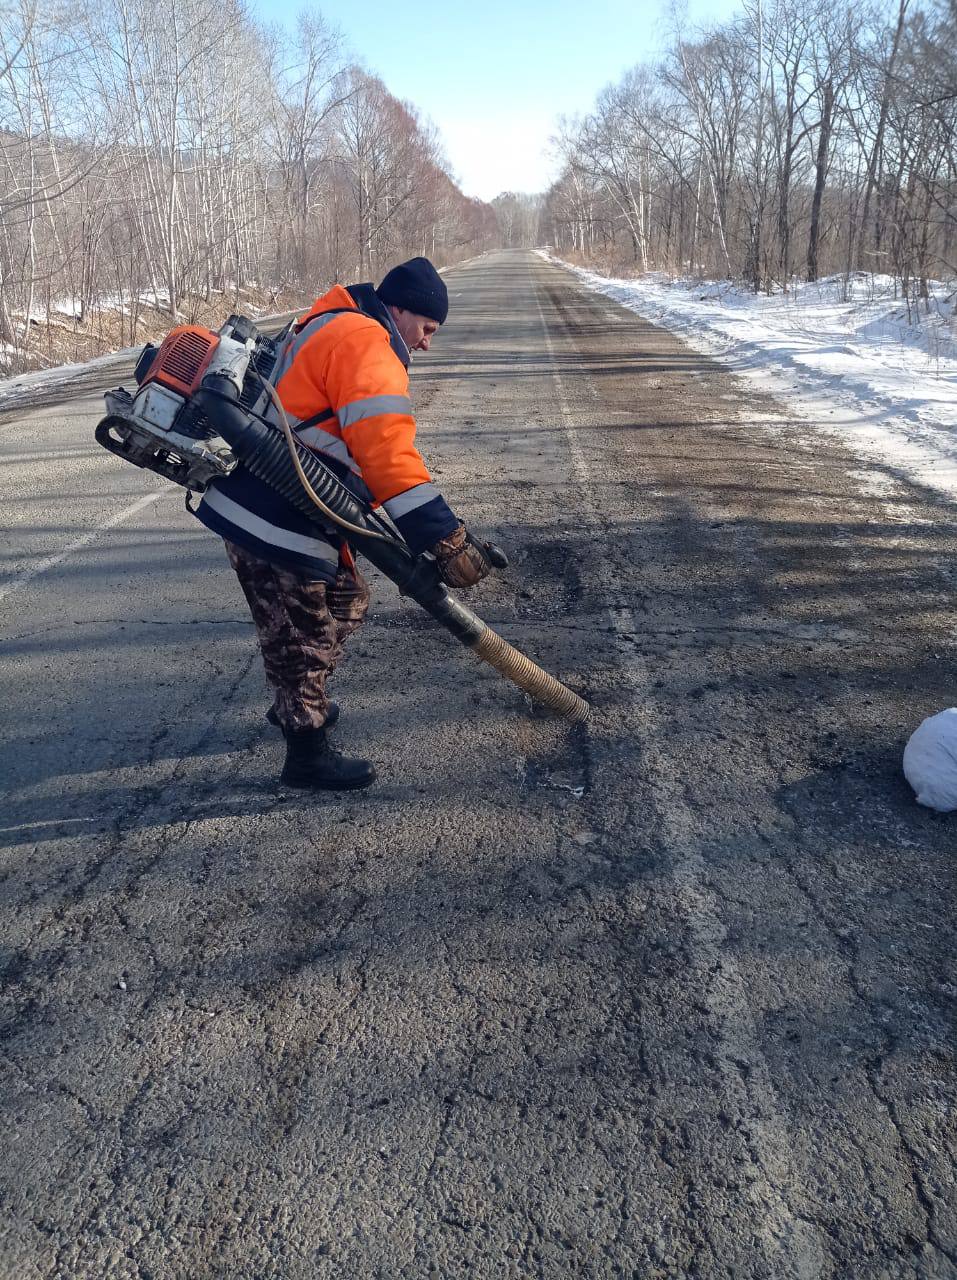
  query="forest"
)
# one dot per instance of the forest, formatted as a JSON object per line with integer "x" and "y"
{"x": 796, "y": 141}
{"x": 174, "y": 161}
{"x": 156, "y": 160}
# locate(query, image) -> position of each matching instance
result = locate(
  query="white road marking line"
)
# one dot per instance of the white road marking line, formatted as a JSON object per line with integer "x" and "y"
{"x": 52, "y": 561}
{"x": 47, "y": 822}
{"x": 791, "y": 1247}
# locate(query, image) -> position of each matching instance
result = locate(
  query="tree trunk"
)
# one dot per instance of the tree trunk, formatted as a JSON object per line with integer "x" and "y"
{"x": 874, "y": 161}
{"x": 820, "y": 178}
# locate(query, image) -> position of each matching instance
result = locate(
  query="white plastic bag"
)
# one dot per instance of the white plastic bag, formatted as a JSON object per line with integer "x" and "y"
{"x": 930, "y": 761}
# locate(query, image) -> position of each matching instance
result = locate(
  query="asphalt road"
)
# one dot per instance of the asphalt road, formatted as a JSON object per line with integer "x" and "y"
{"x": 669, "y": 996}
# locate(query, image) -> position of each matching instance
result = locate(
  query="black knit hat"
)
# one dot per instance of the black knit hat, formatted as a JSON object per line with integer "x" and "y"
{"x": 416, "y": 286}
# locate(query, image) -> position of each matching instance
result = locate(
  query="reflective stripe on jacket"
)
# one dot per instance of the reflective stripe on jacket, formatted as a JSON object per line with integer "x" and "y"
{"x": 342, "y": 379}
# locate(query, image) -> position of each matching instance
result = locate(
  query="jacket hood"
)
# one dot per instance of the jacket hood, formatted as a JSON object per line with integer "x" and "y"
{"x": 360, "y": 297}
{"x": 369, "y": 302}
{"x": 337, "y": 299}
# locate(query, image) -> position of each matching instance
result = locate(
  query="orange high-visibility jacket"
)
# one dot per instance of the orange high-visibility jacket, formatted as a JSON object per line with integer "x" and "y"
{"x": 342, "y": 377}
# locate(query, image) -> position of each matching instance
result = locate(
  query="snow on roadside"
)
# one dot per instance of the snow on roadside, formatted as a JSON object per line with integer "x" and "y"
{"x": 853, "y": 365}
{"x": 12, "y": 389}
{"x": 19, "y": 386}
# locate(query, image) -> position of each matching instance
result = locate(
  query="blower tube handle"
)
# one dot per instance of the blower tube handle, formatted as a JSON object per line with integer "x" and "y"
{"x": 496, "y": 555}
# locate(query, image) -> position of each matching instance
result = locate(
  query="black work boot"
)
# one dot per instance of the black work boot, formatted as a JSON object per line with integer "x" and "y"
{"x": 332, "y": 716}
{"x": 313, "y": 764}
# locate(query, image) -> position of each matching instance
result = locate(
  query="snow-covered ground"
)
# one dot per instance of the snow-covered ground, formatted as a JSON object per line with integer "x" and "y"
{"x": 842, "y": 353}
{"x": 21, "y": 385}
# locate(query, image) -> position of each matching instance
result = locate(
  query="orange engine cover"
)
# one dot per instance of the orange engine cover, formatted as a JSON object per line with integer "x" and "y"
{"x": 183, "y": 358}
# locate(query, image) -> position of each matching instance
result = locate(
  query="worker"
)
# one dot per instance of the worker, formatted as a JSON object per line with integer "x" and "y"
{"x": 342, "y": 378}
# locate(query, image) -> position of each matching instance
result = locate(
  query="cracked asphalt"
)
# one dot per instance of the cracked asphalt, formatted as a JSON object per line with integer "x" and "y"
{"x": 671, "y": 995}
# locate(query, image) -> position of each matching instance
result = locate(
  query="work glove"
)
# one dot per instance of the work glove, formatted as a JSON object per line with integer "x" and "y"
{"x": 462, "y": 561}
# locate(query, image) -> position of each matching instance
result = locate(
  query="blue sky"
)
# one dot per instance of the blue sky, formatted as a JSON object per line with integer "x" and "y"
{"x": 495, "y": 75}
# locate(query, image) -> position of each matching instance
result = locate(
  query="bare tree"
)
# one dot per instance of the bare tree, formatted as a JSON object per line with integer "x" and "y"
{"x": 155, "y": 157}
{"x": 831, "y": 124}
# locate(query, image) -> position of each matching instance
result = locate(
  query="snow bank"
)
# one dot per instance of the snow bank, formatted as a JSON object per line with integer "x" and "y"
{"x": 20, "y": 386}
{"x": 843, "y": 353}
{"x": 12, "y": 389}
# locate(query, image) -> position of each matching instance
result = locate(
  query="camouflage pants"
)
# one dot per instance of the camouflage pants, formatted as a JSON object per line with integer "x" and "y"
{"x": 302, "y": 626}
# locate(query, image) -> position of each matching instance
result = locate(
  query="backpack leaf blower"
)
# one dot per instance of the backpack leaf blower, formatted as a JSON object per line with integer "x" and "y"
{"x": 200, "y": 410}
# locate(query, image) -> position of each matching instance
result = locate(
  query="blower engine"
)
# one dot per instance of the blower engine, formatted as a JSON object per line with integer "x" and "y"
{"x": 162, "y": 427}
{"x": 200, "y": 409}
